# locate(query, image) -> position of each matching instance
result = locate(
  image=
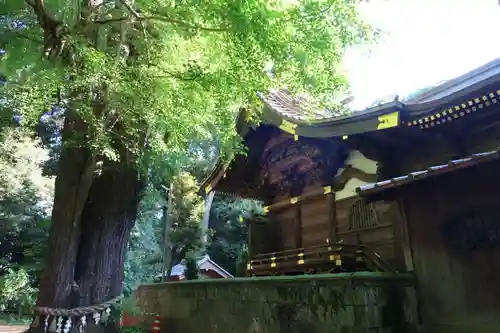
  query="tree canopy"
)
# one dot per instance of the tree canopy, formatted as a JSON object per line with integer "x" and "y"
{"x": 119, "y": 89}
{"x": 168, "y": 68}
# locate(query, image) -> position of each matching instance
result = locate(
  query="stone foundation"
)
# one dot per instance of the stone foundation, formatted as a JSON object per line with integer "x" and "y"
{"x": 343, "y": 303}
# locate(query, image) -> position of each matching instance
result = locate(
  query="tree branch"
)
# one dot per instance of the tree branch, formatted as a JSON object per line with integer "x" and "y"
{"x": 138, "y": 17}
{"x": 46, "y": 20}
{"x": 169, "y": 74}
{"x": 176, "y": 76}
{"x": 102, "y": 4}
{"x": 162, "y": 19}
{"x": 111, "y": 20}
{"x": 130, "y": 9}
{"x": 185, "y": 24}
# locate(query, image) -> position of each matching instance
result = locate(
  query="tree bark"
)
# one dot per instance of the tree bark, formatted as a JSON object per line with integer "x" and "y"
{"x": 107, "y": 220}
{"x": 58, "y": 273}
{"x": 92, "y": 217}
{"x": 91, "y": 224}
{"x": 93, "y": 254}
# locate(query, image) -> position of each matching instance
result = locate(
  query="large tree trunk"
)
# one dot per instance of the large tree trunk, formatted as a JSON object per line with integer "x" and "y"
{"x": 89, "y": 236}
{"x": 58, "y": 274}
{"x": 92, "y": 216}
{"x": 107, "y": 220}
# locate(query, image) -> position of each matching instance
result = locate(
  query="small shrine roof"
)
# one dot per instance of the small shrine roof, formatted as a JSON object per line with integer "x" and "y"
{"x": 203, "y": 263}
{"x": 432, "y": 171}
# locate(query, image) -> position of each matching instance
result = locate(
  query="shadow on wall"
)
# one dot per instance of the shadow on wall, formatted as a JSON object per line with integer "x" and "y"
{"x": 354, "y": 302}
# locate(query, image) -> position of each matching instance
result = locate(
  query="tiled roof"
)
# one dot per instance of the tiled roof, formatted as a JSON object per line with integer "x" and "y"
{"x": 449, "y": 87}
{"x": 299, "y": 109}
{"x": 294, "y": 107}
{"x": 308, "y": 120}
{"x": 432, "y": 171}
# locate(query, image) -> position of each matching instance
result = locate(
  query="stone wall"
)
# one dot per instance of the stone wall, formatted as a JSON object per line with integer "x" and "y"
{"x": 343, "y": 303}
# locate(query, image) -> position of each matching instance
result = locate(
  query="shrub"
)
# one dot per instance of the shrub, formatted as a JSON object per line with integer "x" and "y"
{"x": 16, "y": 293}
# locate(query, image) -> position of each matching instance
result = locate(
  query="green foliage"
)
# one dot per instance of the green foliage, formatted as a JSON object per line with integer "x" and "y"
{"x": 242, "y": 261}
{"x": 144, "y": 250}
{"x": 191, "y": 272}
{"x": 128, "y": 329}
{"x": 16, "y": 292}
{"x": 129, "y": 305}
{"x": 145, "y": 253}
{"x": 9, "y": 319}
{"x": 186, "y": 215}
{"x": 173, "y": 68}
{"x": 149, "y": 78}
{"x": 25, "y": 202}
{"x": 228, "y": 239}
{"x": 20, "y": 173}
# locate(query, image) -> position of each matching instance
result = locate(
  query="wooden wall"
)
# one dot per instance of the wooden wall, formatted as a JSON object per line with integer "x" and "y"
{"x": 308, "y": 221}
{"x": 263, "y": 238}
{"x": 285, "y": 221}
{"x": 371, "y": 224}
{"x": 312, "y": 217}
{"x": 440, "y": 149}
{"x": 458, "y": 290}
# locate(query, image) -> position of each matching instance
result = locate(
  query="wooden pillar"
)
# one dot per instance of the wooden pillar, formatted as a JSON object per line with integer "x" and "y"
{"x": 332, "y": 217}
{"x": 206, "y": 218}
{"x": 167, "y": 220}
{"x": 251, "y": 230}
{"x": 298, "y": 225}
{"x": 402, "y": 244}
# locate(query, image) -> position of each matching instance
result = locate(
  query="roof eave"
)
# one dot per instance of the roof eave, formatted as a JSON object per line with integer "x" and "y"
{"x": 217, "y": 268}
{"x": 419, "y": 109}
{"x": 452, "y": 86}
{"x": 378, "y": 188}
{"x": 450, "y": 91}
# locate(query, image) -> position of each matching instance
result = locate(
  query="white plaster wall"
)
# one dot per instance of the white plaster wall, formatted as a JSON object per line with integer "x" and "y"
{"x": 358, "y": 161}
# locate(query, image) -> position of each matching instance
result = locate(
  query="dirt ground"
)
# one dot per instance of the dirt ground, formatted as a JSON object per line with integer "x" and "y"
{"x": 13, "y": 328}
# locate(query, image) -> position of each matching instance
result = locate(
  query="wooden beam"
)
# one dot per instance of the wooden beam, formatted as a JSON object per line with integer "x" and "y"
{"x": 292, "y": 201}
{"x": 298, "y": 226}
{"x": 402, "y": 238}
{"x": 332, "y": 218}
{"x": 251, "y": 230}
{"x": 385, "y": 139}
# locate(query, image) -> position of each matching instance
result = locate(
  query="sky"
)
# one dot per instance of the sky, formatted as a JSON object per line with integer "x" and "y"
{"x": 424, "y": 43}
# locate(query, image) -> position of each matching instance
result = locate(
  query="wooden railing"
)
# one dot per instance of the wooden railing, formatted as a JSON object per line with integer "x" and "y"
{"x": 332, "y": 258}
{"x": 374, "y": 262}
